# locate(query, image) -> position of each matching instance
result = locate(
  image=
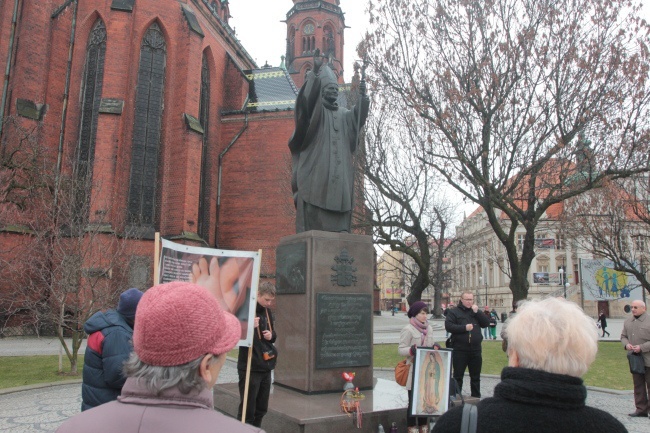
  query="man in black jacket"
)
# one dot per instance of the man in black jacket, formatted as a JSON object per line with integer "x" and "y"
{"x": 465, "y": 323}
{"x": 262, "y": 361}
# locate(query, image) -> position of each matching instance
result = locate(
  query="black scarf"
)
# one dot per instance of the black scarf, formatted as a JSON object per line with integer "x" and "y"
{"x": 538, "y": 387}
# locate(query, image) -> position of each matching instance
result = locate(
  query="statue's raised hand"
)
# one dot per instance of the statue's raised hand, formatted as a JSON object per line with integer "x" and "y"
{"x": 318, "y": 61}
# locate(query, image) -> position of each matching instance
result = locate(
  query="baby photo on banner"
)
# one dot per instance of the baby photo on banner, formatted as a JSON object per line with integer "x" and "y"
{"x": 232, "y": 276}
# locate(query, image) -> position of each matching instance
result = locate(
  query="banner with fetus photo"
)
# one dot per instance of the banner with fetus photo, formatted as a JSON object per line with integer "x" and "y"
{"x": 232, "y": 276}
{"x": 431, "y": 378}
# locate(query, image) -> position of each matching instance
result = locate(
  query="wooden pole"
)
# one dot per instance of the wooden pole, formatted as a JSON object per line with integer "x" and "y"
{"x": 248, "y": 369}
{"x": 156, "y": 259}
{"x": 247, "y": 384}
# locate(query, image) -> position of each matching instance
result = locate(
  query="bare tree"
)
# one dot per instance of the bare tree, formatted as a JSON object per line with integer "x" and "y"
{"x": 72, "y": 262}
{"x": 503, "y": 95}
{"x": 614, "y": 224}
{"x": 19, "y": 159}
{"x": 407, "y": 211}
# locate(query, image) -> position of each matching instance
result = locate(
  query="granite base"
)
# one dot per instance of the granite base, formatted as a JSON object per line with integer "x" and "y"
{"x": 291, "y": 411}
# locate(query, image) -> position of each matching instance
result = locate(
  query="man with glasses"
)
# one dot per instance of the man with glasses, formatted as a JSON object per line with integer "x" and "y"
{"x": 636, "y": 338}
{"x": 465, "y": 323}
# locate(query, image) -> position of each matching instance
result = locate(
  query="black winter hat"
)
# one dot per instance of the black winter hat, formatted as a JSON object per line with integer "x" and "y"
{"x": 128, "y": 303}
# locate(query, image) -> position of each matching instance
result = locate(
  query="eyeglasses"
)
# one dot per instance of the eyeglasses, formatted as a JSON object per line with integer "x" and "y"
{"x": 634, "y": 308}
{"x": 466, "y": 299}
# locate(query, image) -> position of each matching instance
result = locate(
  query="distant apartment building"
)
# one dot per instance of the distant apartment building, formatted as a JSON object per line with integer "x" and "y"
{"x": 396, "y": 272}
{"x": 481, "y": 264}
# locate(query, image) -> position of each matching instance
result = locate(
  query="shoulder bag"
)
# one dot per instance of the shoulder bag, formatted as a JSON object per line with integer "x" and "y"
{"x": 469, "y": 420}
{"x": 637, "y": 365}
{"x": 402, "y": 372}
{"x": 268, "y": 349}
{"x": 449, "y": 344}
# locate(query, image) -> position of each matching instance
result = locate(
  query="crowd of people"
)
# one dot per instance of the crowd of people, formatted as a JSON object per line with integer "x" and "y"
{"x": 153, "y": 360}
{"x": 151, "y": 363}
{"x": 550, "y": 345}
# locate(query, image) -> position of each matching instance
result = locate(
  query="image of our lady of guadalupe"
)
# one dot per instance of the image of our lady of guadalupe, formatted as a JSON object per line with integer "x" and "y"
{"x": 433, "y": 380}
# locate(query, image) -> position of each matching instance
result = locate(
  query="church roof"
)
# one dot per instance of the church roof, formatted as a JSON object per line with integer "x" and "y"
{"x": 271, "y": 89}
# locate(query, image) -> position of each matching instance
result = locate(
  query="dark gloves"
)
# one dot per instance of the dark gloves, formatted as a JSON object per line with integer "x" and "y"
{"x": 412, "y": 350}
{"x": 436, "y": 346}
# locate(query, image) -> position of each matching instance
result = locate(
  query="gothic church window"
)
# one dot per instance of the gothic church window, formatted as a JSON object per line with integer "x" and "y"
{"x": 328, "y": 42}
{"x": 204, "y": 117}
{"x": 147, "y": 129}
{"x": 91, "y": 93}
{"x": 308, "y": 40}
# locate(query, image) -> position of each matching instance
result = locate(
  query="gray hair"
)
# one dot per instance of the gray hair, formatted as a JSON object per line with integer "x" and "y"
{"x": 185, "y": 377}
{"x": 553, "y": 335}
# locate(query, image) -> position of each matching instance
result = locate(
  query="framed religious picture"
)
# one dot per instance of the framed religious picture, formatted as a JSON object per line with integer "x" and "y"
{"x": 431, "y": 379}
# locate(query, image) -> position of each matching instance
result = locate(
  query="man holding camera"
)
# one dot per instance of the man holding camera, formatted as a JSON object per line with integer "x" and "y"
{"x": 262, "y": 362}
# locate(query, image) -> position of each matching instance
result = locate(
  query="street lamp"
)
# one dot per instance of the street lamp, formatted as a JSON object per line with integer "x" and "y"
{"x": 482, "y": 279}
{"x": 392, "y": 296}
{"x": 562, "y": 280}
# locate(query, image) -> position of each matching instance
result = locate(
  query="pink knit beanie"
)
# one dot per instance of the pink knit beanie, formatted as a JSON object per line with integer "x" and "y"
{"x": 178, "y": 322}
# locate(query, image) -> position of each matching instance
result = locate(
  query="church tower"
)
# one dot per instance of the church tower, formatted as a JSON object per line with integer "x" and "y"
{"x": 313, "y": 24}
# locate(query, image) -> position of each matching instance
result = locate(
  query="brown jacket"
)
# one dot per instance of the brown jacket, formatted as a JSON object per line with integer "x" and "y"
{"x": 139, "y": 411}
{"x": 636, "y": 330}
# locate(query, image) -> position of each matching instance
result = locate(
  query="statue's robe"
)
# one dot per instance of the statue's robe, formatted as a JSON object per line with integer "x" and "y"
{"x": 322, "y": 149}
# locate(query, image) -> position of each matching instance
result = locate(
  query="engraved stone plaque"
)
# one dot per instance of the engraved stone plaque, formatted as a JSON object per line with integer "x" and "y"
{"x": 343, "y": 330}
{"x": 111, "y": 106}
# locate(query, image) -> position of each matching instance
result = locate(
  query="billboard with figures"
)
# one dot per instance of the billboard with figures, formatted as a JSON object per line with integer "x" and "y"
{"x": 600, "y": 282}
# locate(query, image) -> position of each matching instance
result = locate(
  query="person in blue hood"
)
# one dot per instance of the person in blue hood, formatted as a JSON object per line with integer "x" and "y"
{"x": 109, "y": 345}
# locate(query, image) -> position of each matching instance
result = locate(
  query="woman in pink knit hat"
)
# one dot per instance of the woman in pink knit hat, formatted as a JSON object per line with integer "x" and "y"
{"x": 180, "y": 341}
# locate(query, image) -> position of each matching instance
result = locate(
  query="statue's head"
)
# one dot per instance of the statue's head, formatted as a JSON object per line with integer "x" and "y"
{"x": 329, "y": 84}
{"x": 331, "y": 93}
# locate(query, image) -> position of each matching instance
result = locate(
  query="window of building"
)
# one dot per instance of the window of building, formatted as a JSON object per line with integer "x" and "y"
{"x": 520, "y": 241}
{"x": 146, "y": 133}
{"x": 576, "y": 274}
{"x": 624, "y": 246}
{"x": 639, "y": 243}
{"x": 91, "y": 94}
{"x": 328, "y": 41}
{"x": 206, "y": 178}
{"x": 559, "y": 241}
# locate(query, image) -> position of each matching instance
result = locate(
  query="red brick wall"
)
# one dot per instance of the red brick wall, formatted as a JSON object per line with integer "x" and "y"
{"x": 256, "y": 203}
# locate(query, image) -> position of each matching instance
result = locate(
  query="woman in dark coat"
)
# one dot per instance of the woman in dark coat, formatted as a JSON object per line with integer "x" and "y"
{"x": 603, "y": 323}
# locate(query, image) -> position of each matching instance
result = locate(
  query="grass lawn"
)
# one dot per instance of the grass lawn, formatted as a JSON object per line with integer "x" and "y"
{"x": 29, "y": 370}
{"x": 609, "y": 370}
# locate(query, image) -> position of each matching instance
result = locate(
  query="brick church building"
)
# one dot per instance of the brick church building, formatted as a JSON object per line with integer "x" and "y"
{"x": 160, "y": 105}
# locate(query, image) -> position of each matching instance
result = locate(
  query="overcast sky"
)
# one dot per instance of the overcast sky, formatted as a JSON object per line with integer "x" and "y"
{"x": 259, "y": 27}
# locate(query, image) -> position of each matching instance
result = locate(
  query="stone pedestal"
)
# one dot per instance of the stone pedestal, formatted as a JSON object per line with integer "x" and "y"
{"x": 294, "y": 412}
{"x": 324, "y": 310}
